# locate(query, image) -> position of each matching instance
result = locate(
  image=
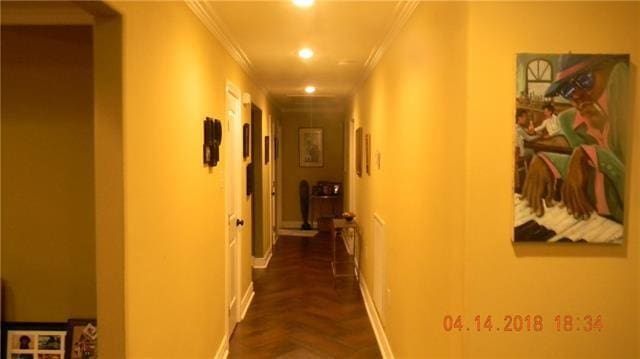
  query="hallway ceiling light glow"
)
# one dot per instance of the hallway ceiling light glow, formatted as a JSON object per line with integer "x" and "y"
{"x": 309, "y": 89}
{"x": 303, "y": 3}
{"x": 305, "y": 53}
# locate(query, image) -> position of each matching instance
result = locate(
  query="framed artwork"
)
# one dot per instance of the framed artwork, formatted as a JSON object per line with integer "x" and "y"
{"x": 571, "y": 133}
{"x": 246, "y": 140}
{"x": 266, "y": 150}
{"x": 249, "y": 179}
{"x": 311, "y": 149}
{"x": 82, "y": 339}
{"x": 359, "y": 151}
{"x": 34, "y": 340}
{"x": 367, "y": 146}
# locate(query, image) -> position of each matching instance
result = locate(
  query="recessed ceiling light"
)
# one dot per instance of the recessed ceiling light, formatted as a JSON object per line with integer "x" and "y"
{"x": 303, "y": 3}
{"x": 309, "y": 89}
{"x": 305, "y": 53}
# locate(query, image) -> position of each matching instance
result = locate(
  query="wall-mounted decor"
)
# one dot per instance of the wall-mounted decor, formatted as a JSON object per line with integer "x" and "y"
{"x": 212, "y": 141}
{"x": 571, "y": 130}
{"x": 266, "y": 150}
{"x": 34, "y": 340}
{"x": 82, "y": 339}
{"x": 250, "y": 179}
{"x": 367, "y": 146}
{"x": 311, "y": 147}
{"x": 359, "y": 151}
{"x": 246, "y": 140}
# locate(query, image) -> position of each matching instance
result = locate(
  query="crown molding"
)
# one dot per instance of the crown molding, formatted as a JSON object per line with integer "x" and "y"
{"x": 210, "y": 19}
{"x": 401, "y": 14}
{"x": 212, "y": 22}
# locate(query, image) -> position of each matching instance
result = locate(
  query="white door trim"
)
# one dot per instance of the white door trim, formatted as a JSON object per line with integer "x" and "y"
{"x": 229, "y": 157}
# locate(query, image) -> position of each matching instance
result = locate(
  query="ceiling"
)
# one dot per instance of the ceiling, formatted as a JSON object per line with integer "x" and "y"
{"x": 348, "y": 38}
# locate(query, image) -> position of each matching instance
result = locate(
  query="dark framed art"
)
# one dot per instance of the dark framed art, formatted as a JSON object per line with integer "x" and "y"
{"x": 246, "y": 140}
{"x": 26, "y": 340}
{"x": 266, "y": 150}
{"x": 359, "y": 152}
{"x": 367, "y": 146}
{"x": 82, "y": 339}
{"x": 250, "y": 179}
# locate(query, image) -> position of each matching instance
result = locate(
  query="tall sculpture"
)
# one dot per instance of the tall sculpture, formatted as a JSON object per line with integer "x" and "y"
{"x": 304, "y": 204}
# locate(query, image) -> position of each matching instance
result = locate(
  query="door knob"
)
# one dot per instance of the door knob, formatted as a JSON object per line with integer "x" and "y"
{"x": 239, "y": 222}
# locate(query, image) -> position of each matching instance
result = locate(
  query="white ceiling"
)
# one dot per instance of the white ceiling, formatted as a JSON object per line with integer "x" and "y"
{"x": 348, "y": 38}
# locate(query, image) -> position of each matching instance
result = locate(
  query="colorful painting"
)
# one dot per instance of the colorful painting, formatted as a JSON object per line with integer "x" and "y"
{"x": 571, "y": 125}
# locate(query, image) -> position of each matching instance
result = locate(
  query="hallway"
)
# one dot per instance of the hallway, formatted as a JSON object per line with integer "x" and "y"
{"x": 161, "y": 159}
{"x": 297, "y": 313}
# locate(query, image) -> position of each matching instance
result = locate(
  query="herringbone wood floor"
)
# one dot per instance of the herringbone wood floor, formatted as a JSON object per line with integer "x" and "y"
{"x": 297, "y": 312}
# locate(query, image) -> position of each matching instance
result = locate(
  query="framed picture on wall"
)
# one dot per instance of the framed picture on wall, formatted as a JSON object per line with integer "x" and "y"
{"x": 367, "y": 146}
{"x": 571, "y": 135}
{"x": 359, "y": 151}
{"x": 246, "y": 140}
{"x": 311, "y": 149}
{"x": 266, "y": 150}
{"x": 34, "y": 340}
{"x": 82, "y": 339}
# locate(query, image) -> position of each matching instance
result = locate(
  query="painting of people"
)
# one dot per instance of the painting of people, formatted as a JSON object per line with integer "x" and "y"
{"x": 571, "y": 132}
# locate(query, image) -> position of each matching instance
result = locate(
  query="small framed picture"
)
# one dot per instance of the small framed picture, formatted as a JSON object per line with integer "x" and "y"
{"x": 82, "y": 339}
{"x": 34, "y": 340}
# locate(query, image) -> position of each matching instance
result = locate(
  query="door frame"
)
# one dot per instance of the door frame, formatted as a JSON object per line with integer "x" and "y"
{"x": 231, "y": 89}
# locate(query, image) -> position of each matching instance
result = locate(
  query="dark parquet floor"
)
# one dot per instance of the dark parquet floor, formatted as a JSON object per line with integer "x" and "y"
{"x": 298, "y": 313}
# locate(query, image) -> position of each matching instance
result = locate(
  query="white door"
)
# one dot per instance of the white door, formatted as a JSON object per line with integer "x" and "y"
{"x": 234, "y": 209}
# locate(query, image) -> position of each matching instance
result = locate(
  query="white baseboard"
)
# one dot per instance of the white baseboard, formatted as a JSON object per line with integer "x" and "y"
{"x": 376, "y": 323}
{"x": 262, "y": 263}
{"x": 247, "y": 298}
{"x": 223, "y": 349}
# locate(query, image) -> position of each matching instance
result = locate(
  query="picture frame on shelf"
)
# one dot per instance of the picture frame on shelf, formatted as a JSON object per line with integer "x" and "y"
{"x": 30, "y": 340}
{"x": 82, "y": 339}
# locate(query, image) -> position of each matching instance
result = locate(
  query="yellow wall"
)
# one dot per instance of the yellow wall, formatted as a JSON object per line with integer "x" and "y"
{"x": 48, "y": 222}
{"x": 440, "y": 108}
{"x": 174, "y": 74}
{"x": 546, "y": 280}
{"x": 292, "y": 173}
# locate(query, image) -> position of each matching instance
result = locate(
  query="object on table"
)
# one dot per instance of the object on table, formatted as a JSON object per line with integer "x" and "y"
{"x": 348, "y": 216}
